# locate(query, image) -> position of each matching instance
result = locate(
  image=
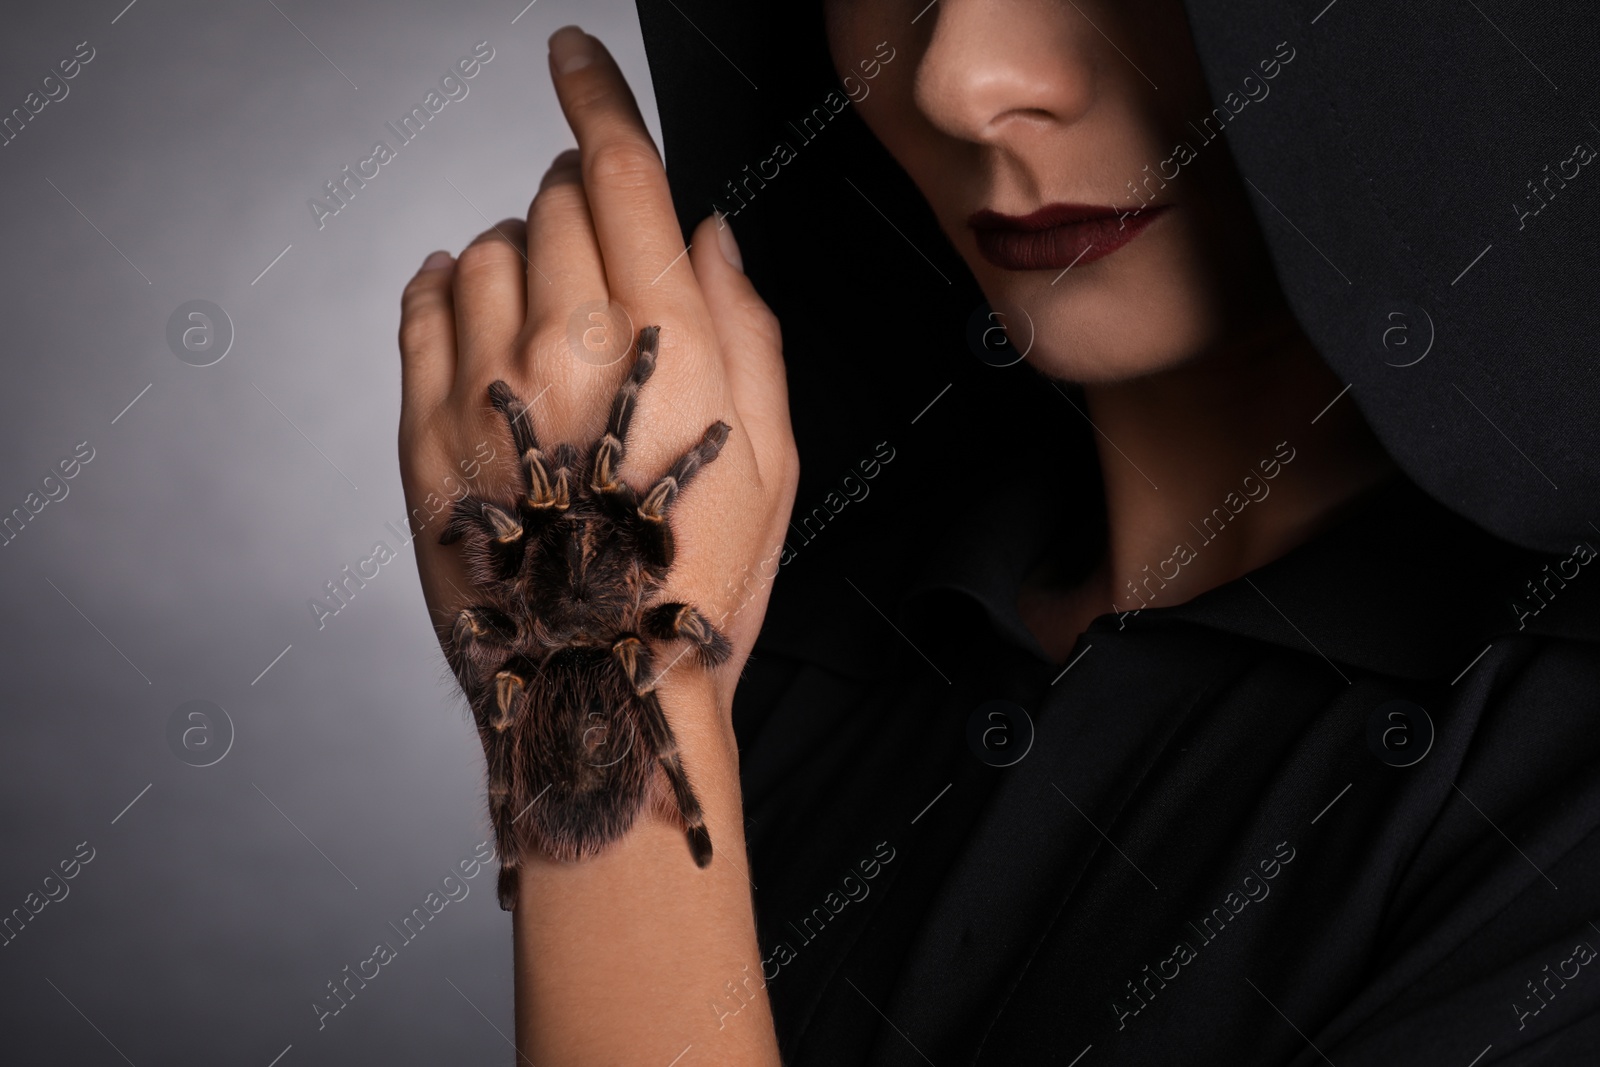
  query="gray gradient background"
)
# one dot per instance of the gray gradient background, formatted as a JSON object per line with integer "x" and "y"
{"x": 207, "y": 922}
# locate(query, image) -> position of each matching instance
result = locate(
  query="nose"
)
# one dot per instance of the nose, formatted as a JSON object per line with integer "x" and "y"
{"x": 997, "y": 68}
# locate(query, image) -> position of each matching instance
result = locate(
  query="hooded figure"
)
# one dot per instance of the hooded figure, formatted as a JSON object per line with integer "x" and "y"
{"x": 1341, "y": 809}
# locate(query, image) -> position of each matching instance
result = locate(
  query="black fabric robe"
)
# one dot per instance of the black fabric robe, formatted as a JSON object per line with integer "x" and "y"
{"x": 1340, "y": 810}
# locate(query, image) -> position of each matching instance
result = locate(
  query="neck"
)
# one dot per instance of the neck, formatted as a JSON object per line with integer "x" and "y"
{"x": 1211, "y": 470}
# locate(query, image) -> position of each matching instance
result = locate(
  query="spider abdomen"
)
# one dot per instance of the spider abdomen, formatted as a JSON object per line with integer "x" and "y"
{"x": 586, "y": 765}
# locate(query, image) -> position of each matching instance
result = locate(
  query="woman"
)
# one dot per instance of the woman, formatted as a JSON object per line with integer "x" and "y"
{"x": 1154, "y": 715}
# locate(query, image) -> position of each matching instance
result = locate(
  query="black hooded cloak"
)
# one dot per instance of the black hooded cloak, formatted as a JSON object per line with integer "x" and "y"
{"x": 1343, "y": 809}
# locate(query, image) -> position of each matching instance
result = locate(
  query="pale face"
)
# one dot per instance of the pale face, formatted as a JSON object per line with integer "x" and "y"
{"x": 1053, "y": 162}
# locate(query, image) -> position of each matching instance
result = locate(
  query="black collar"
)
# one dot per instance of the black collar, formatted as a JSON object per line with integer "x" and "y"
{"x": 1396, "y": 585}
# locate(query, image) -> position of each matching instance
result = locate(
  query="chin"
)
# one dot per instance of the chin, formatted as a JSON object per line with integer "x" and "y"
{"x": 1151, "y": 306}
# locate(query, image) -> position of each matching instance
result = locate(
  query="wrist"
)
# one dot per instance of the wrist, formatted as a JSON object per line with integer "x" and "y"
{"x": 699, "y": 707}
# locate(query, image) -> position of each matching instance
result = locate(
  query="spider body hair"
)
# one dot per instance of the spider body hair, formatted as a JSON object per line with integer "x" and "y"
{"x": 561, "y": 653}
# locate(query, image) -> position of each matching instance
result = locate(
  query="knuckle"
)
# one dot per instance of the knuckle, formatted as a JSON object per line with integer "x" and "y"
{"x": 766, "y": 323}
{"x": 509, "y": 236}
{"x": 422, "y": 332}
{"x": 422, "y": 290}
{"x": 481, "y": 256}
{"x": 624, "y": 162}
{"x": 535, "y": 347}
{"x": 590, "y": 98}
{"x": 779, "y": 483}
{"x": 557, "y": 198}
{"x": 422, "y": 305}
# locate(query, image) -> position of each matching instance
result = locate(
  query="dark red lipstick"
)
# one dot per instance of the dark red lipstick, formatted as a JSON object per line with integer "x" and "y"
{"x": 1058, "y": 236}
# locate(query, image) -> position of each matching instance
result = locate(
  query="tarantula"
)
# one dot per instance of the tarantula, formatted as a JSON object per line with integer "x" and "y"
{"x": 561, "y": 656}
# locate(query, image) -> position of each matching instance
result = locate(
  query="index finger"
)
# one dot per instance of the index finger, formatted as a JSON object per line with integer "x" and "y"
{"x": 626, "y": 184}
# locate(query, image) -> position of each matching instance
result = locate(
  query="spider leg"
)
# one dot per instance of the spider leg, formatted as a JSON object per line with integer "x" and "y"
{"x": 538, "y": 490}
{"x": 510, "y": 405}
{"x": 628, "y": 393}
{"x": 480, "y": 637}
{"x": 496, "y": 715}
{"x": 565, "y": 463}
{"x": 657, "y": 503}
{"x": 634, "y": 656}
{"x": 496, "y": 538}
{"x": 612, "y": 447}
{"x": 608, "y": 453}
{"x": 658, "y": 734}
{"x": 688, "y": 804}
{"x": 674, "y": 620}
{"x": 475, "y": 513}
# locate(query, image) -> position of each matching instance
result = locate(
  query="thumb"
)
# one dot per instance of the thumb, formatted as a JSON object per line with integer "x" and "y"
{"x": 748, "y": 336}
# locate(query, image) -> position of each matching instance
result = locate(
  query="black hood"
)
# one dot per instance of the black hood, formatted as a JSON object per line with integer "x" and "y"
{"x": 1422, "y": 176}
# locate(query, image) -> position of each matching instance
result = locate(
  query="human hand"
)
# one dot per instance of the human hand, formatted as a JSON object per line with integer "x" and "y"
{"x": 601, "y": 232}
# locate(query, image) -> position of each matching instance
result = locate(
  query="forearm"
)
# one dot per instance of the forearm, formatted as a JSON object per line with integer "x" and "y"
{"x": 620, "y": 959}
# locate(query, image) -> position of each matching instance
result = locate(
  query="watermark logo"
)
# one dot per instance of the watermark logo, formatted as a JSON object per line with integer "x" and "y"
{"x": 53, "y": 89}
{"x": 1401, "y": 333}
{"x": 200, "y": 733}
{"x": 603, "y": 744}
{"x": 1400, "y": 733}
{"x": 200, "y": 333}
{"x": 600, "y": 332}
{"x": 342, "y": 190}
{"x": 1000, "y": 733}
{"x": 989, "y": 336}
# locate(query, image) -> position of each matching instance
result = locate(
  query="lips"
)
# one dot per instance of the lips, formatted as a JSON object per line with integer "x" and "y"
{"x": 1057, "y": 236}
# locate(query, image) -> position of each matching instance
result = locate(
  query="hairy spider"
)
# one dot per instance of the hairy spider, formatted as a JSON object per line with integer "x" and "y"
{"x": 560, "y": 657}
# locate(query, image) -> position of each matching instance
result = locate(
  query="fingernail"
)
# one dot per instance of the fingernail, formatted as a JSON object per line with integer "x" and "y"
{"x": 570, "y": 50}
{"x": 437, "y": 261}
{"x": 730, "y": 247}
